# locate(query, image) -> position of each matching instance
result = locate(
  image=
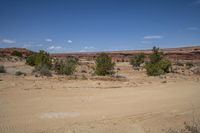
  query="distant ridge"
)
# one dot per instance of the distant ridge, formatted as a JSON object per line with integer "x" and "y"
{"x": 181, "y": 53}
{"x": 24, "y": 51}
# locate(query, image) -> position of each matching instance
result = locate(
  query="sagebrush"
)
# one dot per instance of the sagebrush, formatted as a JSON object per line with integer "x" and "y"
{"x": 157, "y": 64}
{"x": 104, "y": 65}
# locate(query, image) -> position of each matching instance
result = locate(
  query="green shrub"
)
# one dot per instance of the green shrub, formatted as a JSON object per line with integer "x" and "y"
{"x": 156, "y": 56}
{"x": 2, "y": 69}
{"x": 104, "y": 65}
{"x": 157, "y": 65}
{"x": 153, "y": 69}
{"x": 68, "y": 67}
{"x": 16, "y": 53}
{"x": 165, "y": 65}
{"x": 30, "y": 60}
{"x": 137, "y": 60}
{"x": 41, "y": 58}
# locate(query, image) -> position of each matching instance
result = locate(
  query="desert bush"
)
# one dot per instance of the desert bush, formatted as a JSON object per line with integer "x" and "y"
{"x": 165, "y": 65}
{"x": 83, "y": 77}
{"x": 41, "y": 58}
{"x": 137, "y": 60}
{"x": 65, "y": 67}
{"x": 104, "y": 65}
{"x": 30, "y": 60}
{"x": 189, "y": 65}
{"x": 43, "y": 70}
{"x": 153, "y": 69}
{"x": 157, "y": 64}
{"x": 18, "y": 73}
{"x": 16, "y": 53}
{"x": 2, "y": 69}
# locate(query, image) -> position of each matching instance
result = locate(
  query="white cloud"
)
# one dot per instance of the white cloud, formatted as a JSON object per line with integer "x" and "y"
{"x": 8, "y": 41}
{"x": 54, "y": 47}
{"x": 193, "y": 28}
{"x": 48, "y": 40}
{"x": 82, "y": 50}
{"x": 88, "y": 47}
{"x": 153, "y": 37}
{"x": 69, "y": 41}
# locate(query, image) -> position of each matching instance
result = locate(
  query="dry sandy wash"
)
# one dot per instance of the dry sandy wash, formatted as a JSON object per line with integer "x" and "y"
{"x": 139, "y": 104}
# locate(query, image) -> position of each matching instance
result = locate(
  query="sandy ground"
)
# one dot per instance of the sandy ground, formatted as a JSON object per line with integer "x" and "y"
{"x": 55, "y": 104}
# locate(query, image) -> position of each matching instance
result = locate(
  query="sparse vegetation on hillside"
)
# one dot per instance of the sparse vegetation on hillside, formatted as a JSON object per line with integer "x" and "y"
{"x": 157, "y": 64}
{"x": 2, "y": 69}
{"x": 104, "y": 65}
{"x": 17, "y": 53}
{"x": 65, "y": 67}
{"x": 137, "y": 60}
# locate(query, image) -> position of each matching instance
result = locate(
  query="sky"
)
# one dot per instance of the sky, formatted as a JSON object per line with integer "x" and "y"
{"x": 98, "y": 25}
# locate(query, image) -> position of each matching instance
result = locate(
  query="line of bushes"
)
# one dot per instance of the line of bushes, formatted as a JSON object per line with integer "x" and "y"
{"x": 156, "y": 65}
{"x": 43, "y": 64}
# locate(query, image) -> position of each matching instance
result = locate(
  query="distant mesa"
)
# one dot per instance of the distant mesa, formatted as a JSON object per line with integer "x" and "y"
{"x": 181, "y": 53}
{"x": 24, "y": 51}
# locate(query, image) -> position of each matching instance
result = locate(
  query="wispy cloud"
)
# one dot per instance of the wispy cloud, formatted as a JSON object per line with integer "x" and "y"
{"x": 8, "y": 41}
{"x": 192, "y": 28}
{"x": 152, "y": 37}
{"x": 88, "y": 47}
{"x": 69, "y": 41}
{"x": 54, "y": 47}
{"x": 48, "y": 40}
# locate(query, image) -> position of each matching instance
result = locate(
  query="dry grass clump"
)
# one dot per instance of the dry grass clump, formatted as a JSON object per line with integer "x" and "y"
{"x": 2, "y": 69}
{"x": 19, "y": 73}
{"x": 189, "y": 127}
{"x": 109, "y": 78}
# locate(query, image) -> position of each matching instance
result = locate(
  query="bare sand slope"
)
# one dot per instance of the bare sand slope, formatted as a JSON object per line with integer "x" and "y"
{"x": 56, "y": 105}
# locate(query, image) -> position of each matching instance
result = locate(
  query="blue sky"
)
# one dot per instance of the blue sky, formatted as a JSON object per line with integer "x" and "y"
{"x": 98, "y": 25}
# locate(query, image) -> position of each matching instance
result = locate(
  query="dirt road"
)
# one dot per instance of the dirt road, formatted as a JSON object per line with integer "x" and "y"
{"x": 46, "y": 105}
